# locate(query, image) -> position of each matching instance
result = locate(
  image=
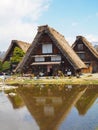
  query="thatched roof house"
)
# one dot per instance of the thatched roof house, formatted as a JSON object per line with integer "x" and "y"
{"x": 52, "y": 49}
{"x": 87, "y": 53}
{"x": 15, "y": 43}
{"x": 87, "y": 44}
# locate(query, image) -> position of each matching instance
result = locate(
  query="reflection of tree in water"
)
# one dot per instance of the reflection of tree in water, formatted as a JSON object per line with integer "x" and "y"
{"x": 87, "y": 100}
{"x": 14, "y": 98}
{"x": 50, "y": 104}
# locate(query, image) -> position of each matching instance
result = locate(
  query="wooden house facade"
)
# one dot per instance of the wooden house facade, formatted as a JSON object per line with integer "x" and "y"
{"x": 87, "y": 53}
{"x": 48, "y": 54}
{"x": 15, "y": 43}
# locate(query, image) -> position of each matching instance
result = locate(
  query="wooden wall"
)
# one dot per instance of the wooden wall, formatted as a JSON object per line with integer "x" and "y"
{"x": 38, "y": 51}
{"x": 89, "y": 59}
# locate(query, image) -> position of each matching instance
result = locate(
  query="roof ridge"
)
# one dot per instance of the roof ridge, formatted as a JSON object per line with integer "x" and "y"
{"x": 87, "y": 44}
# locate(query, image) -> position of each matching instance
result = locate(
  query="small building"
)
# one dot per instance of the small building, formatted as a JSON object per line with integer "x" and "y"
{"x": 9, "y": 53}
{"x": 87, "y": 53}
{"x": 49, "y": 54}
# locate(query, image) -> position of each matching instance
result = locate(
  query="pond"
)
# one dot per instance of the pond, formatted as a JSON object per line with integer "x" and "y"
{"x": 49, "y": 107}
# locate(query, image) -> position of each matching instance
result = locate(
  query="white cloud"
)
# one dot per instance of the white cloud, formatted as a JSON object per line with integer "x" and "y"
{"x": 97, "y": 14}
{"x": 70, "y": 40}
{"x": 74, "y": 24}
{"x": 92, "y": 38}
{"x": 18, "y": 20}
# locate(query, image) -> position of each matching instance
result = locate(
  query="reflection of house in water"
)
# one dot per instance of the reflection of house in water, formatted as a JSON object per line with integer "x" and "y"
{"x": 49, "y": 110}
{"x": 86, "y": 100}
{"x": 50, "y": 105}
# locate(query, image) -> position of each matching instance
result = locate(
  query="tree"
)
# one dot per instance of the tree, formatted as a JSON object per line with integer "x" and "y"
{"x": 0, "y": 66}
{"x": 14, "y": 60}
{"x": 6, "y": 66}
{"x": 17, "y": 55}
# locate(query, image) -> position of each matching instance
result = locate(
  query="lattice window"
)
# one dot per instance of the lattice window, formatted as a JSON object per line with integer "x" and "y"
{"x": 82, "y": 55}
{"x": 80, "y": 46}
{"x": 56, "y": 58}
{"x": 47, "y": 48}
{"x": 38, "y": 59}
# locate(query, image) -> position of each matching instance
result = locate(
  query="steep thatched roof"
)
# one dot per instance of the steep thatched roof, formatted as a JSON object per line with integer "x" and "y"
{"x": 62, "y": 44}
{"x": 87, "y": 100}
{"x": 87, "y": 44}
{"x": 23, "y": 45}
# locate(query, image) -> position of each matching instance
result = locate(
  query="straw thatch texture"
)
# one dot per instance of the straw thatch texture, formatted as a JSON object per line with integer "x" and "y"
{"x": 60, "y": 42}
{"x": 68, "y": 52}
{"x": 87, "y": 44}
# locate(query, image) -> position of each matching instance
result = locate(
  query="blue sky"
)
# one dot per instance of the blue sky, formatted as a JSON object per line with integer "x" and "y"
{"x": 73, "y": 17}
{"x": 19, "y": 19}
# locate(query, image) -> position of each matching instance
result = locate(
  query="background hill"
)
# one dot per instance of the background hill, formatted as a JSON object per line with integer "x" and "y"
{"x": 95, "y": 45}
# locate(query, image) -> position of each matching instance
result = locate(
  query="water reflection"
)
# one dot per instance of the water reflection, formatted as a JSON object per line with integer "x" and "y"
{"x": 15, "y": 99}
{"x": 51, "y": 106}
{"x": 87, "y": 100}
{"x": 12, "y": 118}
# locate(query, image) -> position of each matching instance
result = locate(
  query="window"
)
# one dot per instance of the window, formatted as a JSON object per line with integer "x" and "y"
{"x": 81, "y": 55}
{"x": 56, "y": 58}
{"x": 87, "y": 64}
{"x": 80, "y": 46}
{"x": 39, "y": 59}
{"x": 47, "y": 48}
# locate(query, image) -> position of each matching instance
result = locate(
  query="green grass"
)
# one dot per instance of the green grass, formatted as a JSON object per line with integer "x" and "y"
{"x": 64, "y": 80}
